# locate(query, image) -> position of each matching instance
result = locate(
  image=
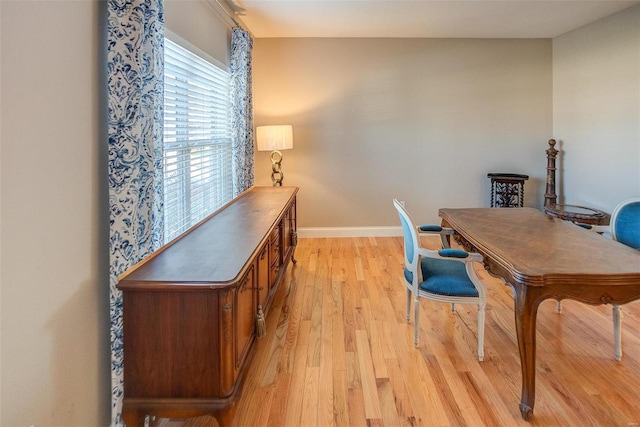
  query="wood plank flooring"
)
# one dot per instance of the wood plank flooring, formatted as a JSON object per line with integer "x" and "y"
{"x": 338, "y": 351}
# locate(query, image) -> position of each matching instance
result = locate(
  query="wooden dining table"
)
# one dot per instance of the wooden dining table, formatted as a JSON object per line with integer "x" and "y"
{"x": 543, "y": 257}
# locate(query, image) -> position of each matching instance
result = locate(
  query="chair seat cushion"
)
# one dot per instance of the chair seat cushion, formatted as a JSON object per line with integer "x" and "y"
{"x": 444, "y": 277}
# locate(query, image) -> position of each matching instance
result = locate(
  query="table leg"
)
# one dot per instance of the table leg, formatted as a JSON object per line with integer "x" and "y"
{"x": 526, "y": 310}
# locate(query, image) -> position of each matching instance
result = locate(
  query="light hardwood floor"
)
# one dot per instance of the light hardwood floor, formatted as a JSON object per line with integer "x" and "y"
{"x": 338, "y": 351}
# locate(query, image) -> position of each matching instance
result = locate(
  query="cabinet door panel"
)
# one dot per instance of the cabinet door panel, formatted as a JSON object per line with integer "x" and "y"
{"x": 169, "y": 336}
{"x": 274, "y": 246}
{"x": 245, "y": 316}
{"x": 263, "y": 275}
{"x": 275, "y": 255}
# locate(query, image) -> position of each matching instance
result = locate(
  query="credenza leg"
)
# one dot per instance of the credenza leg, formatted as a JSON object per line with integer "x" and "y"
{"x": 294, "y": 243}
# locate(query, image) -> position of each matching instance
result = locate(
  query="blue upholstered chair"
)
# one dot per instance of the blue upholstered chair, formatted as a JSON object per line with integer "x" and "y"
{"x": 625, "y": 223}
{"x": 447, "y": 275}
{"x": 624, "y": 227}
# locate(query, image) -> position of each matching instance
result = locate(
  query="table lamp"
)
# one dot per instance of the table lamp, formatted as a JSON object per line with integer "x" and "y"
{"x": 275, "y": 138}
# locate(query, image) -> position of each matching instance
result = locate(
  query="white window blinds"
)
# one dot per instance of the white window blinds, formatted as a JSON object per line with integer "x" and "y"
{"x": 197, "y": 139}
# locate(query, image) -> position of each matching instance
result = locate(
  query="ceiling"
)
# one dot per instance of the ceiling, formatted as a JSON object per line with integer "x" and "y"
{"x": 421, "y": 18}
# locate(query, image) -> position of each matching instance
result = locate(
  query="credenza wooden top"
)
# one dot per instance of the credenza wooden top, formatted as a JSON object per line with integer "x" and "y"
{"x": 535, "y": 249}
{"x": 218, "y": 250}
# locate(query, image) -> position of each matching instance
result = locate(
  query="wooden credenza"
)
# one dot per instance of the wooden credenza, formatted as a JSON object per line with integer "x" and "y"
{"x": 189, "y": 310}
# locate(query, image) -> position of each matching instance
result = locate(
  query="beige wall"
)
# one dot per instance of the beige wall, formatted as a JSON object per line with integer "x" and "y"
{"x": 596, "y": 111}
{"x": 423, "y": 120}
{"x": 55, "y": 351}
{"x": 201, "y": 25}
{"x": 54, "y": 320}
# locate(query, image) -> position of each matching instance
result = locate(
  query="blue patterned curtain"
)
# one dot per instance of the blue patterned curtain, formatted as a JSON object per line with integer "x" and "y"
{"x": 135, "y": 91}
{"x": 242, "y": 110}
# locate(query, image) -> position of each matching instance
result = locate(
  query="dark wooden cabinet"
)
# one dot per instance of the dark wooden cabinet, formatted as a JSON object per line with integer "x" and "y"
{"x": 189, "y": 310}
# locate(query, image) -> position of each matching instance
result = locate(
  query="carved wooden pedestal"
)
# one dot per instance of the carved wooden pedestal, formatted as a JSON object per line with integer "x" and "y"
{"x": 507, "y": 190}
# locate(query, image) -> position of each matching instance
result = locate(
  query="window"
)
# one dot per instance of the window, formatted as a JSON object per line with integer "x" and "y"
{"x": 197, "y": 139}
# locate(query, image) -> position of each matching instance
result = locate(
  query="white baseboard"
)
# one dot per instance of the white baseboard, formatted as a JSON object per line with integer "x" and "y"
{"x": 349, "y": 232}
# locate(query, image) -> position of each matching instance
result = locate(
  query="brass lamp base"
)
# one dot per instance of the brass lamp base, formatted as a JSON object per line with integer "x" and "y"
{"x": 276, "y": 168}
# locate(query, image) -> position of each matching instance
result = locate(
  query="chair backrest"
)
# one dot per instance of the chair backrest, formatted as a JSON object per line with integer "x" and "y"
{"x": 625, "y": 223}
{"x": 409, "y": 232}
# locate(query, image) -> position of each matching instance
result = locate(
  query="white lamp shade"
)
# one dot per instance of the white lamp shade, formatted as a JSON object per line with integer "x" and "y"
{"x": 277, "y": 137}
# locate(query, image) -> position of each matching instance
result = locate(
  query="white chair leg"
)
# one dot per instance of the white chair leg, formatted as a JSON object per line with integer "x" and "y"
{"x": 445, "y": 244}
{"x": 617, "y": 336}
{"x": 481, "y": 332}
{"x": 416, "y": 320}
{"x": 453, "y": 308}
{"x": 408, "y": 305}
{"x": 559, "y": 306}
